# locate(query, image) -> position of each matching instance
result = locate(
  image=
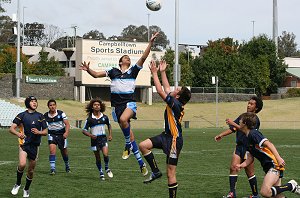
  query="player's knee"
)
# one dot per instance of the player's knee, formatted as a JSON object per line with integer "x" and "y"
{"x": 265, "y": 192}
{"x": 233, "y": 168}
{"x": 123, "y": 122}
{"x": 30, "y": 173}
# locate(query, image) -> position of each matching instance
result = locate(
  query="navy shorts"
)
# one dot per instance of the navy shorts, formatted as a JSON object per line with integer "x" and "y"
{"x": 98, "y": 143}
{"x": 171, "y": 149}
{"x": 31, "y": 150}
{"x": 118, "y": 111}
{"x": 241, "y": 150}
{"x": 58, "y": 140}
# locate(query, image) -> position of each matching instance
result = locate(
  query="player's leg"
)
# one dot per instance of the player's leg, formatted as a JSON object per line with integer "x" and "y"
{"x": 64, "y": 153}
{"x": 20, "y": 169}
{"x": 29, "y": 177}
{"x": 233, "y": 176}
{"x": 252, "y": 179}
{"x": 145, "y": 147}
{"x": 98, "y": 164}
{"x": 52, "y": 157}
{"x": 272, "y": 187}
{"x": 172, "y": 182}
{"x": 125, "y": 127}
{"x": 106, "y": 161}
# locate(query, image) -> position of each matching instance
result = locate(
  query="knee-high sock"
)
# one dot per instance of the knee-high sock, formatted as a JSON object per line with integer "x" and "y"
{"x": 106, "y": 161}
{"x": 66, "y": 160}
{"x": 172, "y": 190}
{"x": 279, "y": 189}
{"x": 98, "y": 164}
{"x": 28, "y": 182}
{"x": 253, "y": 184}
{"x": 232, "y": 183}
{"x": 52, "y": 159}
{"x": 19, "y": 176}
{"x": 136, "y": 153}
{"x": 126, "y": 133}
{"x": 151, "y": 161}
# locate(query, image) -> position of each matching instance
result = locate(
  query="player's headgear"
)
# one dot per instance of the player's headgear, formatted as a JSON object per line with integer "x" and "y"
{"x": 27, "y": 101}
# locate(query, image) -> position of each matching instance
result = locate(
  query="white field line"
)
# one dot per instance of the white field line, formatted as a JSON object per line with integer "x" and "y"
{"x": 6, "y": 162}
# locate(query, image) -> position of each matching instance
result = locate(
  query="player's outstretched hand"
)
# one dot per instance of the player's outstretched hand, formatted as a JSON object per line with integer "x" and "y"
{"x": 153, "y": 37}
{"x": 218, "y": 138}
{"x": 84, "y": 66}
{"x": 162, "y": 66}
{"x": 153, "y": 68}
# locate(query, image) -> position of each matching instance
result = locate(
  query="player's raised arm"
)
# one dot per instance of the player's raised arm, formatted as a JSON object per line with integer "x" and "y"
{"x": 164, "y": 78}
{"x": 154, "y": 69}
{"x": 86, "y": 67}
{"x": 147, "y": 50}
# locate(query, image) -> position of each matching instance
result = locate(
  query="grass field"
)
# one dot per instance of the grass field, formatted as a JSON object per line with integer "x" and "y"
{"x": 202, "y": 170}
{"x": 278, "y": 114}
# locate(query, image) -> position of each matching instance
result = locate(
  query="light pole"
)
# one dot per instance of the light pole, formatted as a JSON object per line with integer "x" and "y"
{"x": 176, "y": 66}
{"x": 148, "y": 27}
{"x": 23, "y": 36}
{"x": 253, "y": 28}
{"x": 275, "y": 24}
{"x": 215, "y": 80}
{"x": 18, "y": 63}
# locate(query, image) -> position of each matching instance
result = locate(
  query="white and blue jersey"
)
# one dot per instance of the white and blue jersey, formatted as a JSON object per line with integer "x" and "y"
{"x": 56, "y": 125}
{"x": 96, "y": 125}
{"x": 122, "y": 84}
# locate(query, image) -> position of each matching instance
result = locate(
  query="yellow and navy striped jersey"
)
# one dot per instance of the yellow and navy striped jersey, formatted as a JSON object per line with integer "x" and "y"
{"x": 173, "y": 116}
{"x": 263, "y": 154}
{"x": 241, "y": 138}
{"x": 26, "y": 121}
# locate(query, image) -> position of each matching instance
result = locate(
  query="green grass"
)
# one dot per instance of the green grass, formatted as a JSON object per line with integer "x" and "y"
{"x": 202, "y": 170}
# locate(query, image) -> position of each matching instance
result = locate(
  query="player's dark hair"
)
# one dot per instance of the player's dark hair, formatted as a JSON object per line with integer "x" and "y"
{"x": 28, "y": 100}
{"x": 51, "y": 100}
{"x": 184, "y": 95}
{"x": 89, "y": 106}
{"x": 259, "y": 103}
{"x": 120, "y": 60}
{"x": 249, "y": 119}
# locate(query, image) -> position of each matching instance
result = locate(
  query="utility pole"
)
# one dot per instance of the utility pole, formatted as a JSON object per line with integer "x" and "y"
{"x": 253, "y": 28}
{"x": 18, "y": 63}
{"x": 275, "y": 25}
{"x": 74, "y": 38}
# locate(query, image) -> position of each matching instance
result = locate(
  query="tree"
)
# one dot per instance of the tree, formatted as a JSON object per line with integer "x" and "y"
{"x": 51, "y": 34}
{"x": 263, "y": 49}
{"x": 287, "y": 46}
{"x": 140, "y": 34}
{"x": 34, "y": 33}
{"x": 46, "y": 66}
{"x": 223, "y": 58}
{"x": 8, "y": 60}
{"x": 4, "y": 1}
{"x": 94, "y": 34}
{"x": 6, "y": 26}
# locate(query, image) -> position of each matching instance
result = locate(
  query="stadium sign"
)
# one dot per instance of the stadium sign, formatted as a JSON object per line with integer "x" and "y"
{"x": 41, "y": 79}
{"x": 105, "y": 54}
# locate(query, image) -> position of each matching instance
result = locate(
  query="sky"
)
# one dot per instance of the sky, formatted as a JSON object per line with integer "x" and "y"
{"x": 199, "y": 20}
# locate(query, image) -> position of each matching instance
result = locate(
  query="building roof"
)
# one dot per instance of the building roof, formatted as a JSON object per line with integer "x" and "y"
{"x": 294, "y": 71}
{"x": 33, "y": 50}
{"x": 292, "y": 62}
{"x": 58, "y": 55}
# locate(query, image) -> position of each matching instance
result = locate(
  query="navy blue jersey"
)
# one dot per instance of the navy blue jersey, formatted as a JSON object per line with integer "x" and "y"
{"x": 26, "y": 121}
{"x": 56, "y": 123}
{"x": 173, "y": 116}
{"x": 264, "y": 155}
{"x": 240, "y": 136}
{"x": 122, "y": 85}
{"x": 97, "y": 125}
